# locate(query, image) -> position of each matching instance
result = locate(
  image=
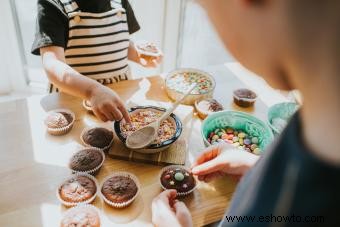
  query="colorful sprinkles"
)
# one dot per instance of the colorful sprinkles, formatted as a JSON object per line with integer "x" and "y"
{"x": 181, "y": 82}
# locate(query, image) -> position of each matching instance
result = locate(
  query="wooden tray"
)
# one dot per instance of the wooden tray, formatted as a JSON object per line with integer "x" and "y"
{"x": 175, "y": 154}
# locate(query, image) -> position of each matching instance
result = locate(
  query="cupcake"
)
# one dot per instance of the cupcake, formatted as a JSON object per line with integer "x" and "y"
{"x": 120, "y": 189}
{"x": 147, "y": 50}
{"x": 179, "y": 178}
{"x": 87, "y": 105}
{"x": 78, "y": 188}
{"x": 59, "y": 122}
{"x": 207, "y": 106}
{"x": 97, "y": 137}
{"x": 244, "y": 97}
{"x": 81, "y": 216}
{"x": 87, "y": 160}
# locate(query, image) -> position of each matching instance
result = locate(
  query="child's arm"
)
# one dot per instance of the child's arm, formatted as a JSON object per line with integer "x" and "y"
{"x": 133, "y": 56}
{"x": 106, "y": 104}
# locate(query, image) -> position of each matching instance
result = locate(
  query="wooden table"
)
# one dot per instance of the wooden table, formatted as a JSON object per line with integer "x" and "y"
{"x": 33, "y": 163}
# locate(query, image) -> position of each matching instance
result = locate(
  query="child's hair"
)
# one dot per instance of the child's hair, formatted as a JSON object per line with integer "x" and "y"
{"x": 316, "y": 25}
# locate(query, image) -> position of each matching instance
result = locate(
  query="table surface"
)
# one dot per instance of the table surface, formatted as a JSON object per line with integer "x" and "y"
{"x": 33, "y": 163}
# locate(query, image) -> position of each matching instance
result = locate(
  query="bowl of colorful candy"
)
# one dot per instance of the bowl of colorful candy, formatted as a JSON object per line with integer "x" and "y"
{"x": 239, "y": 129}
{"x": 168, "y": 132}
{"x": 179, "y": 81}
{"x": 279, "y": 115}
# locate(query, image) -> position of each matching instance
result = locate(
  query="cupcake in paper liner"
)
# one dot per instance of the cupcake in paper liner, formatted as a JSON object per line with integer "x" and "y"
{"x": 81, "y": 215}
{"x": 97, "y": 137}
{"x": 79, "y": 188}
{"x": 120, "y": 189}
{"x": 179, "y": 178}
{"x": 87, "y": 160}
{"x": 59, "y": 121}
{"x": 87, "y": 106}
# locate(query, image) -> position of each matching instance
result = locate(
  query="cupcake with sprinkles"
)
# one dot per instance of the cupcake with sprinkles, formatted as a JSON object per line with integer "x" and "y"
{"x": 178, "y": 178}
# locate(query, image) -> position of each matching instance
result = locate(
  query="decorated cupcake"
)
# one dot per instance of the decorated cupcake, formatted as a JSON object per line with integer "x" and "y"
{"x": 78, "y": 188}
{"x": 120, "y": 189}
{"x": 87, "y": 160}
{"x": 81, "y": 216}
{"x": 178, "y": 178}
{"x": 98, "y": 137}
{"x": 59, "y": 122}
{"x": 147, "y": 50}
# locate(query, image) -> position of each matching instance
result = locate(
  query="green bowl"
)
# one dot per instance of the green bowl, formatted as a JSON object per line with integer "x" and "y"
{"x": 239, "y": 121}
{"x": 284, "y": 110}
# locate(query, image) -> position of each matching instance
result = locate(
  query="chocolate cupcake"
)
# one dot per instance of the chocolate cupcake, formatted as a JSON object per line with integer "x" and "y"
{"x": 244, "y": 97}
{"x": 97, "y": 137}
{"x": 81, "y": 215}
{"x": 179, "y": 178}
{"x": 59, "y": 121}
{"x": 87, "y": 160}
{"x": 78, "y": 188}
{"x": 120, "y": 189}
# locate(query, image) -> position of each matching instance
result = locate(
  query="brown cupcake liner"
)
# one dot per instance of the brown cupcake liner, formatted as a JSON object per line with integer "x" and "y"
{"x": 94, "y": 170}
{"x": 105, "y": 149}
{"x": 124, "y": 204}
{"x": 88, "y": 108}
{"x": 62, "y": 130}
{"x": 71, "y": 204}
{"x": 171, "y": 167}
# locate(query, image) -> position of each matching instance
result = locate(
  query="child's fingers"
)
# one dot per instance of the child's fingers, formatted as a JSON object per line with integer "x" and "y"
{"x": 125, "y": 113}
{"x": 99, "y": 114}
{"x": 208, "y": 154}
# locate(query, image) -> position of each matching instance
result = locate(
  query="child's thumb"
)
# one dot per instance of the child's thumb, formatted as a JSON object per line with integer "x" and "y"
{"x": 208, "y": 167}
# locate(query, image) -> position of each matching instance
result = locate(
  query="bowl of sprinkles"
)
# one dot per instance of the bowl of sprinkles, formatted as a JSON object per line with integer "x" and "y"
{"x": 239, "y": 129}
{"x": 179, "y": 81}
{"x": 168, "y": 132}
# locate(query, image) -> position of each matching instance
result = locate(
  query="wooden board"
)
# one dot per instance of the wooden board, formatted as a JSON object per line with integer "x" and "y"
{"x": 175, "y": 154}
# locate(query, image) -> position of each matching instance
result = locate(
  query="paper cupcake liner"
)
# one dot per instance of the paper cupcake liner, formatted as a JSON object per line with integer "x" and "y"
{"x": 105, "y": 149}
{"x": 171, "y": 167}
{"x": 124, "y": 204}
{"x": 83, "y": 206}
{"x": 62, "y": 130}
{"x": 71, "y": 204}
{"x": 91, "y": 171}
{"x": 88, "y": 108}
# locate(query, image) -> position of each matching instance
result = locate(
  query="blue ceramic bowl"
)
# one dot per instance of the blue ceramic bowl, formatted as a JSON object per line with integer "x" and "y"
{"x": 153, "y": 148}
{"x": 282, "y": 111}
{"x": 239, "y": 121}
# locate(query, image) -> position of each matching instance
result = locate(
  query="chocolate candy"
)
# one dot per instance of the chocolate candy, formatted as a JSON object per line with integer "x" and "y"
{"x": 237, "y": 138}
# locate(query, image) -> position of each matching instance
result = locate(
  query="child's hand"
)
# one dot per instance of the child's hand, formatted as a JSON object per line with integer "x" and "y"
{"x": 147, "y": 61}
{"x": 107, "y": 105}
{"x": 169, "y": 212}
{"x": 150, "y": 62}
{"x": 223, "y": 159}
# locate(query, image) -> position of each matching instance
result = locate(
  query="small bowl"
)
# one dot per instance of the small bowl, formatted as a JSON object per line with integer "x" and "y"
{"x": 147, "y": 54}
{"x": 244, "y": 101}
{"x": 204, "y": 113}
{"x": 152, "y": 148}
{"x": 176, "y": 94}
{"x": 239, "y": 121}
{"x": 284, "y": 111}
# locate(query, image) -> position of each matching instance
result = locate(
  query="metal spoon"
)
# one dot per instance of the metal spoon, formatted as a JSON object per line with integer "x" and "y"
{"x": 146, "y": 135}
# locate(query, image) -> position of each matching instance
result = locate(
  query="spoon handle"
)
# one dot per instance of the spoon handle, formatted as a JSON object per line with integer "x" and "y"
{"x": 174, "y": 106}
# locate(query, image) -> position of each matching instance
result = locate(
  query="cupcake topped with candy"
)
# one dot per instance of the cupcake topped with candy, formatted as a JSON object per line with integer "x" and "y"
{"x": 178, "y": 178}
